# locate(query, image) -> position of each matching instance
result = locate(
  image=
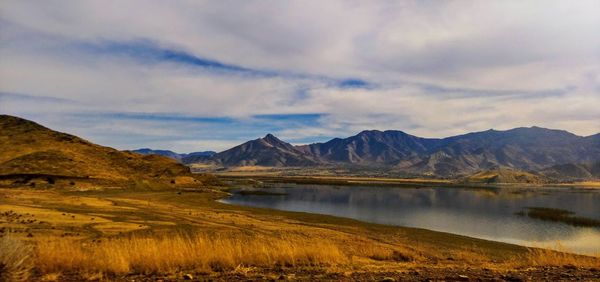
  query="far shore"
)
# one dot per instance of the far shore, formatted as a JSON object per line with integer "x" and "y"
{"x": 297, "y": 176}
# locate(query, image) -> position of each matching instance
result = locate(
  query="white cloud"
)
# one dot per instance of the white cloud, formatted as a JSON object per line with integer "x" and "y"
{"x": 439, "y": 66}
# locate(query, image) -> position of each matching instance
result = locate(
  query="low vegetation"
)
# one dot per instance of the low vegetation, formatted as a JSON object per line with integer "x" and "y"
{"x": 16, "y": 259}
{"x": 559, "y": 215}
{"x": 544, "y": 257}
{"x": 116, "y": 257}
{"x": 169, "y": 254}
{"x": 504, "y": 175}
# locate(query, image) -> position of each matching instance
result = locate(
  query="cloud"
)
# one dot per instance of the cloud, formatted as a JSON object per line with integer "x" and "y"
{"x": 15, "y": 97}
{"x": 195, "y": 73}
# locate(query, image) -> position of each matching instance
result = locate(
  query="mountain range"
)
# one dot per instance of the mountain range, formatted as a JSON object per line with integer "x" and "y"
{"x": 529, "y": 149}
{"x": 31, "y": 153}
{"x": 173, "y": 155}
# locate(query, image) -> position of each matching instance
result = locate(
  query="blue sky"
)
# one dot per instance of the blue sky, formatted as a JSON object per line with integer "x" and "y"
{"x": 207, "y": 75}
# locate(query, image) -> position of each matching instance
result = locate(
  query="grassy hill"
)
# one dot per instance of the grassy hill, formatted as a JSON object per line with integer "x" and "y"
{"x": 504, "y": 175}
{"x": 33, "y": 155}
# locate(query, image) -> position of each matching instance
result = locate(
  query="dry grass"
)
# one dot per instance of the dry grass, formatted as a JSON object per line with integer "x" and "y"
{"x": 15, "y": 260}
{"x": 586, "y": 184}
{"x": 169, "y": 254}
{"x": 378, "y": 252}
{"x": 545, "y": 257}
{"x": 250, "y": 168}
{"x": 50, "y": 277}
{"x": 243, "y": 252}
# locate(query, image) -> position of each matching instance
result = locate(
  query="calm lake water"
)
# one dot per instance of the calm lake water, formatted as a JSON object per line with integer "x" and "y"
{"x": 488, "y": 213}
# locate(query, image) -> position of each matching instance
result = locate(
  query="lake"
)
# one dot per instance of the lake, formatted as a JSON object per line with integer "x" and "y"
{"x": 486, "y": 213}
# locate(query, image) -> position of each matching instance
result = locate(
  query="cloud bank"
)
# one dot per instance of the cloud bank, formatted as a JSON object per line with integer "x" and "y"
{"x": 199, "y": 75}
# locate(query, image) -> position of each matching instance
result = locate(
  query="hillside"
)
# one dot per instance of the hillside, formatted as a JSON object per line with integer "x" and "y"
{"x": 528, "y": 149}
{"x": 573, "y": 172}
{"x": 503, "y": 175}
{"x": 33, "y": 155}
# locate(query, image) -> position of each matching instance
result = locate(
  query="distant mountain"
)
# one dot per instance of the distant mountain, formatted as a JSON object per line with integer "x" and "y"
{"x": 266, "y": 151}
{"x": 33, "y": 155}
{"x": 203, "y": 153}
{"x": 170, "y": 154}
{"x": 164, "y": 153}
{"x": 593, "y": 140}
{"x": 527, "y": 149}
{"x": 371, "y": 147}
{"x": 573, "y": 171}
{"x": 196, "y": 156}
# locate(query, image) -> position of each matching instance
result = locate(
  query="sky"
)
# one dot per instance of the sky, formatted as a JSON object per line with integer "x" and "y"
{"x": 208, "y": 75}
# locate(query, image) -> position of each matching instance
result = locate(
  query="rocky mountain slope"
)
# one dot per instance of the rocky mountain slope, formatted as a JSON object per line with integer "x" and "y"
{"x": 573, "y": 171}
{"x": 527, "y": 149}
{"x": 371, "y": 147}
{"x": 33, "y": 155}
{"x": 266, "y": 151}
{"x": 520, "y": 148}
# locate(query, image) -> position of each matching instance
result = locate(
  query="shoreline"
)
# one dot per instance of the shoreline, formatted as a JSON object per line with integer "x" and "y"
{"x": 556, "y": 246}
{"x": 382, "y": 181}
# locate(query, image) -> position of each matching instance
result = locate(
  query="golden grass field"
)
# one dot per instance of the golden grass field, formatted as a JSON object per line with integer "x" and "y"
{"x": 115, "y": 233}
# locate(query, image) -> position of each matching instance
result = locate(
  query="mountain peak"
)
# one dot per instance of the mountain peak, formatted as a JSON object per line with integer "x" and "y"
{"x": 387, "y": 134}
{"x": 271, "y": 139}
{"x": 266, "y": 151}
{"x": 369, "y": 132}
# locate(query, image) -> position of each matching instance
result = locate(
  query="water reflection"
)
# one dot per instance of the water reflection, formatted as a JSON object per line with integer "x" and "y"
{"x": 482, "y": 213}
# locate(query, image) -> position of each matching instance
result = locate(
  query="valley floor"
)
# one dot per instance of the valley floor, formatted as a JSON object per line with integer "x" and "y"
{"x": 178, "y": 234}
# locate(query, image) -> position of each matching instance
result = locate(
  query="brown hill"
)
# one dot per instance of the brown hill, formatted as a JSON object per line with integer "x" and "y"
{"x": 504, "y": 175}
{"x": 33, "y": 155}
